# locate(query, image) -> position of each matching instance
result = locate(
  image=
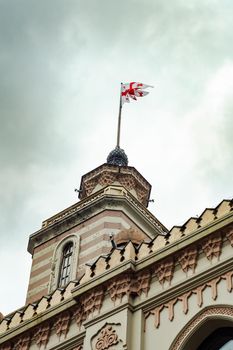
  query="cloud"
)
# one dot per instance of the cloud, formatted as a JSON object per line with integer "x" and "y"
{"x": 61, "y": 63}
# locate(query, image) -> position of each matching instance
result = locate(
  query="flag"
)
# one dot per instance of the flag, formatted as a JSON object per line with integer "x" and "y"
{"x": 133, "y": 90}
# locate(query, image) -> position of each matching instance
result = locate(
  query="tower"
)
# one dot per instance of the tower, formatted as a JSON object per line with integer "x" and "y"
{"x": 113, "y": 200}
{"x": 107, "y": 274}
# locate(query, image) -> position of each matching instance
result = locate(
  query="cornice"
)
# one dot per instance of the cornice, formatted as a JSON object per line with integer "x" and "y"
{"x": 90, "y": 207}
{"x": 191, "y": 283}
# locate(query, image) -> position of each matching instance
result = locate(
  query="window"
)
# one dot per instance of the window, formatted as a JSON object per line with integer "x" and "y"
{"x": 66, "y": 262}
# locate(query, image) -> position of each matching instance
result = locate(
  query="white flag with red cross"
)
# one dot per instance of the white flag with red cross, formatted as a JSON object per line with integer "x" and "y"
{"x": 133, "y": 90}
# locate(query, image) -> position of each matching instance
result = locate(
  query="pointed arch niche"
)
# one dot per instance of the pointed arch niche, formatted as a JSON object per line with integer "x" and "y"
{"x": 201, "y": 328}
{"x": 65, "y": 262}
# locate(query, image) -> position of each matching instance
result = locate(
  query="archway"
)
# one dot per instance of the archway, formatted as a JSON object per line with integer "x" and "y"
{"x": 202, "y": 326}
{"x": 220, "y": 339}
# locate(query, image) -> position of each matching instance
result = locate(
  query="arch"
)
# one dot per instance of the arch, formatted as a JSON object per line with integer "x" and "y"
{"x": 218, "y": 339}
{"x": 205, "y": 322}
{"x": 57, "y": 260}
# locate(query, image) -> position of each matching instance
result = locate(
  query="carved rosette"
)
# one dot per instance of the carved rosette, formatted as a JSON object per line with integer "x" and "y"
{"x": 106, "y": 339}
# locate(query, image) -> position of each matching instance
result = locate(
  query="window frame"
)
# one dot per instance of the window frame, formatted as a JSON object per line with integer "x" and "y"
{"x": 57, "y": 259}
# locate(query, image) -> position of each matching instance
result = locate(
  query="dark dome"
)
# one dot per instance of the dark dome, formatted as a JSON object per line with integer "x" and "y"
{"x": 117, "y": 157}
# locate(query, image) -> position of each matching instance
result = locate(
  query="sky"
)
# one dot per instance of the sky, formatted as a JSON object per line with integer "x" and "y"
{"x": 61, "y": 64}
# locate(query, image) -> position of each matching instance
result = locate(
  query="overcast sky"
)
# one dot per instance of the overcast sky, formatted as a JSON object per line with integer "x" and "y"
{"x": 61, "y": 64}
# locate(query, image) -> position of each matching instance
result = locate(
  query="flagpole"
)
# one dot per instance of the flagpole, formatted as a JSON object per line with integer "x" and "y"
{"x": 119, "y": 120}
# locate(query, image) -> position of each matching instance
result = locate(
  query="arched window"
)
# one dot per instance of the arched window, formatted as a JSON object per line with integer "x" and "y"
{"x": 64, "y": 263}
{"x": 220, "y": 339}
{"x": 65, "y": 269}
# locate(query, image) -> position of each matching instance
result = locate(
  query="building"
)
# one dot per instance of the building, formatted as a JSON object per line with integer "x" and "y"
{"x": 107, "y": 274}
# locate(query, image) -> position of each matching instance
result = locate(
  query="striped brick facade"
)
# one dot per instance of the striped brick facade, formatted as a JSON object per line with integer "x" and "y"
{"x": 94, "y": 236}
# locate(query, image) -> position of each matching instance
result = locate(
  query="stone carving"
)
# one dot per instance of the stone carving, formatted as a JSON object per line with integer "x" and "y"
{"x": 92, "y": 302}
{"x": 213, "y": 311}
{"x": 107, "y": 338}
{"x": 22, "y": 343}
{"x": 229, "y": 236}
{"x": 164, "y": 271}
{"x": 62, "y": 324}
{"x": 184, "y": 298}
{"x": 170, "y": 306}
{"x": 199, "y": 292}
{"x": 129, "y": 285}
{"x": 156, "y": 313}
{"x": 6, "y": 346}
{"x": 41, "y": 335}
{"x": 141, "y": 284}
{"x": 228, "y": 278}
{"x": 119, "y": 287}
{"x": 188, "y": 259}
{"x": 213, "y": 285}
{"x": 212, "y": 246}
{"x": 78, "y": 315}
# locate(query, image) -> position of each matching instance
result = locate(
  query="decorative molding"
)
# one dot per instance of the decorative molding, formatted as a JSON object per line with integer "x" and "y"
{"x": 79, "y": 347}
{"x": 229, "y": 236}
{"x": 92, "y": 301}
{"x": 57, "y": 260}
{"x": 22, "y": 343}
{"x": 164, "y": 271}
{"x": 62, "y": 323}
{"x": 78, "y": 315}
{"x": 184, "y": 299}
{"x": 213, "y": 284}
{"x": 107, "y": 338}
{"x": 41, "y": 334}
{"x": 228, "y": 278}
{"x": 128, "y": 284}
{"x": 188, "y": 259}
{"x": 210, "y": 312}
{"x": 212, "y": 246}
{"x": 6, "y": 346}
{"x": 119, "y": 287}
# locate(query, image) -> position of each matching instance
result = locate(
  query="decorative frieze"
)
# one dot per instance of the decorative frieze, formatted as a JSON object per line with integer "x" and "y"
{"x": 164, "y": 271}
{"x": 62, "y": 324}
{"x": 92, "y": 301}
{"x": 22, "y": 343}
{"x": 213, "y": 284}
{"x": 229, "y": 236}
{"x": 41, "y": 335}
{"x": 128, "y": 284}
{"x": 188, "y": 259}
{"x": 212, "y": 246}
